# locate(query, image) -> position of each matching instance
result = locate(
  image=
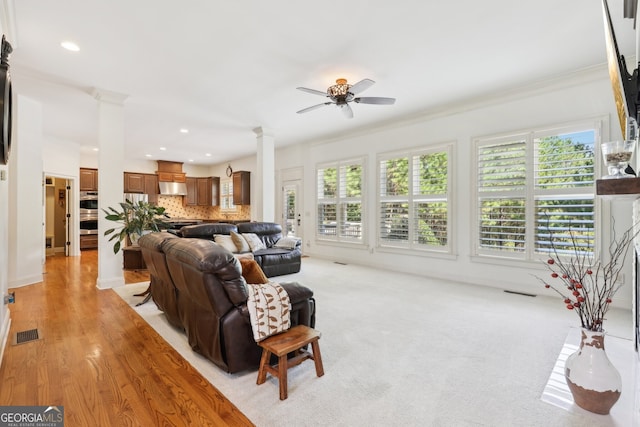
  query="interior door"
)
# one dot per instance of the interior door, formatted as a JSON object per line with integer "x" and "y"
{"x": 291, "y": 209}
{"x": 67, "y": 222}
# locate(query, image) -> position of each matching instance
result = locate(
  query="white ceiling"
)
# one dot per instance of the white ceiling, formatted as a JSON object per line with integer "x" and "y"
{"x": 223, "y": 68}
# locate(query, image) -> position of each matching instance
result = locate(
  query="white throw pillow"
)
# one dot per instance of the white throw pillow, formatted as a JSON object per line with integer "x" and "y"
{"x": 241, "y": 242}
{"x": 255, "y": 244}
{"x": 226, "y": 242}
{"x": 287, "y": 243}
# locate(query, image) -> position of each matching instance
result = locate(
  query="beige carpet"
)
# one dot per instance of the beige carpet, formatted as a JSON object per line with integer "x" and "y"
{"x": 401, "y": 350}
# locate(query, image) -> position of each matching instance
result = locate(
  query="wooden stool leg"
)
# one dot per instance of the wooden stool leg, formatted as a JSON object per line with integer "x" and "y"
{"x": 262, "y": 372}
{"x": 282, "y": 376}
{"x": 317, "y": 358}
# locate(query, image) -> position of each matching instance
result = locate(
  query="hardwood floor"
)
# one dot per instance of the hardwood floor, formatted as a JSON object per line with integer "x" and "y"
{"x": 99, "y": 359}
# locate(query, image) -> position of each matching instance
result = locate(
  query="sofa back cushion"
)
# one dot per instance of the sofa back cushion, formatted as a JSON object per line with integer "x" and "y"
{"x": 210, "y": 274}
{"x": 268, "y": 232}
{"x": 207, "y": 230}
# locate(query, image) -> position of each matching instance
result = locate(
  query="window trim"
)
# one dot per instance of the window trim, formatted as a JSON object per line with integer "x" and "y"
{"x": 529, "y": 255}
{"x": 338, "y": 239}
{"x": 410, "y": 247}
{"x": 232, "y": 207}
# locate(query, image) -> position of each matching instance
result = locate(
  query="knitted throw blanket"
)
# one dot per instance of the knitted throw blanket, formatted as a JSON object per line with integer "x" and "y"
{"x": 269, "y": 309}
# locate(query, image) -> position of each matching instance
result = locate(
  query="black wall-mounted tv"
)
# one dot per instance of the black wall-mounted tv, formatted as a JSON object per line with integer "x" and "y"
{"x": 625, "y": 85}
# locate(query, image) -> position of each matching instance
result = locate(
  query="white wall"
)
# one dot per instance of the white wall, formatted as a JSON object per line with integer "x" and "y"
{"x": 5, "y": 318}
{"x": 586, "y": 95}
{"x": 26, "y": 199}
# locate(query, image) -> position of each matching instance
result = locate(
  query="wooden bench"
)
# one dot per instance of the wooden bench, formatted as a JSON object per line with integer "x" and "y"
{"x": 290, "y": 341}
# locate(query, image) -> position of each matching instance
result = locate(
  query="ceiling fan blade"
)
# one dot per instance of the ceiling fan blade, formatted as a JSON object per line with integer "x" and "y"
{"x": 361, "y": 86}
{"x": 346, "y": 110}
{"x": 313, "y": 107}
{"x": 313, "y": 91}
{"x": 375, "y": 100}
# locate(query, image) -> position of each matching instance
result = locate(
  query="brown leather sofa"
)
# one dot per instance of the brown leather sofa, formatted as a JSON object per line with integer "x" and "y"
{"x": 273, "y": 260}
{"x": 210, "y": 295}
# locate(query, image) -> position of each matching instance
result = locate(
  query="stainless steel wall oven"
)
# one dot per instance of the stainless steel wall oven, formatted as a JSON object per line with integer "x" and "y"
{"x": 88, "y": 212}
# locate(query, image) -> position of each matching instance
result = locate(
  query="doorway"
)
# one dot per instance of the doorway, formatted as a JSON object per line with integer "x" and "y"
{"x": 57, "y": 232}
{"x": 292, "y": 209}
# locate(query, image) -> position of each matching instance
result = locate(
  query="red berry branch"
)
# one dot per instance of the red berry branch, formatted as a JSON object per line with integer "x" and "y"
{"x": 587, "y": 285}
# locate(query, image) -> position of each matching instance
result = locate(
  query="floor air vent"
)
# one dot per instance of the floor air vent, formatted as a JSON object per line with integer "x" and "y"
{"x": 27, "y": 336}
{"x": 520, "y": 293}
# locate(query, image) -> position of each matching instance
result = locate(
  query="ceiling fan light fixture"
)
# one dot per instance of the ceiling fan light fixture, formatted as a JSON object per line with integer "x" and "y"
{"x": 340, "y": 89}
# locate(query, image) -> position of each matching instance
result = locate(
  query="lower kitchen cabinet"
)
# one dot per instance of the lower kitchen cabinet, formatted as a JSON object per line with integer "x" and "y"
{"x": 88, "y": 241}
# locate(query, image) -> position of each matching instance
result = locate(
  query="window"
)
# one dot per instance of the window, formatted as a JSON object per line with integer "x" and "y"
{"x": 339, "y": 201}
{"x": 414, "y": 200}
{"x": 533, "y": 186}
{"x": 226, "y": 195}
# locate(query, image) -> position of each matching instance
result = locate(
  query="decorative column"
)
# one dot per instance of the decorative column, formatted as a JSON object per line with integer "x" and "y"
{"x": 110, "y": 181}
{"x": 264, "y": 195}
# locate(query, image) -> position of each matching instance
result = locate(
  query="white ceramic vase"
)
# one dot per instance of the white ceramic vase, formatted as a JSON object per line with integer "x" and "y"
{"x": 594, "y": 382}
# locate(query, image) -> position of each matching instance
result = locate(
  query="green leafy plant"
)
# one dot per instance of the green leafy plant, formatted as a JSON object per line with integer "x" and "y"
{"x": 135, "y": 219}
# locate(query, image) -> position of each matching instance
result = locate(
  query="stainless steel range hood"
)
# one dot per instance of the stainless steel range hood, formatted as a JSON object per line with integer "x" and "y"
{"x": 173, "y": 188}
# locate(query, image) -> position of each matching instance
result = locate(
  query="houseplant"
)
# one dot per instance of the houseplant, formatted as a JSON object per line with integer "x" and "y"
{"x": 587, "y": 286}
{"x": 135, "y": 218}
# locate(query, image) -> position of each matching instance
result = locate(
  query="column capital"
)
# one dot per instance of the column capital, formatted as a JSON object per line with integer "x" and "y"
{"x": 263, "y": 131}
{"x": 103, "y": 95}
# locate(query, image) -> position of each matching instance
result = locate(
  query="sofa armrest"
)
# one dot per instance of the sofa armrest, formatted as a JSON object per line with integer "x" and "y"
{"x": 297, "y": 292}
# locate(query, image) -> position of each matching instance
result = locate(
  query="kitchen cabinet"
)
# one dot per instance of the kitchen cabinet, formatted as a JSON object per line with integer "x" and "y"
{"x": 172, "y": 177}
{"x": 201, "y": 191}
{"x": 88, "y": 241}
{"x": 133, "y": 182}
{"x": 242, "y": 188}
{"x": 88, "y": 179}
{"x": 215, "y": 191}
{"x": 191, "y": 199}
{"x": 151, "y": 187}
{"x": 142, "y": 183}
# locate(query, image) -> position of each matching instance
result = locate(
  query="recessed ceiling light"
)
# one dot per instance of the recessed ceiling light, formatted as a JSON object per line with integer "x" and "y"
{"x": 191, "y": 160}
{"x": 96, "y": 149}
{"x": 163, "y": 148}
{"x": 208, "y": 154}
{"x": 71, "y": 46}
{"x": 183, "y": 130}
{"x": 148, "y": 155}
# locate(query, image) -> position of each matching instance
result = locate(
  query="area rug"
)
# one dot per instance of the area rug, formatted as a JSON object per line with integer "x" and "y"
{"x": 405, "y": 350}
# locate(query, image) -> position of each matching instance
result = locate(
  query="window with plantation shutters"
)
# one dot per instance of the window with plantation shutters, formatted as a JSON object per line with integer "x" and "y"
{"x": 535, "y": 187}
{"x": 414, "y": 209}
{"x": 339, "y": 201}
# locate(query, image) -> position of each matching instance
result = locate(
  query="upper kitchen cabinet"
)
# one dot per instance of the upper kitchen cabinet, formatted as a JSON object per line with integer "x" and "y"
{"x": 242, "y": 188}
{"x": 202, "y": 191}
{"x": 133, "y": 182}
{"x": 88, "y": 179}
{"x": 170, "y": 172}
{"x": 144, "y": 183}
{"x": 172, "y": 177}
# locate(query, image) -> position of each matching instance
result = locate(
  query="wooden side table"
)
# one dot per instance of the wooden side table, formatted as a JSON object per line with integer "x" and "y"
{"x": 132, "y": 258}
{"x": 284, "y": 343}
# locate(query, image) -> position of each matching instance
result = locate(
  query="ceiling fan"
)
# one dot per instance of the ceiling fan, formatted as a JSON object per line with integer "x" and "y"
{"x": 342, "y": 93}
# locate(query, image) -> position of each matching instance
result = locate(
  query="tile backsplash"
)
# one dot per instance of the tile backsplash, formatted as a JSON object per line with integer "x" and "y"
{"x": 175, "y": 208}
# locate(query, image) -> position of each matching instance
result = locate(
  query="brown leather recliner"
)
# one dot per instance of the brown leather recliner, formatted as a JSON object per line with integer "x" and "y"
{"x": 163, "y": 291}
{"x": 212, "y": 300}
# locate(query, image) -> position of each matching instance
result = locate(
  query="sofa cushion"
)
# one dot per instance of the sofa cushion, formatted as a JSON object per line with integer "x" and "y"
{"x": 226, "y": 242}
{"x": 252, "y": 272}
{"x": 240, "y": 242}
{"x": 269, "y": 232}
{"x": 207, "y": 230}
{"x": 255, "y": 244}
{"x": 287, "y": 243}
